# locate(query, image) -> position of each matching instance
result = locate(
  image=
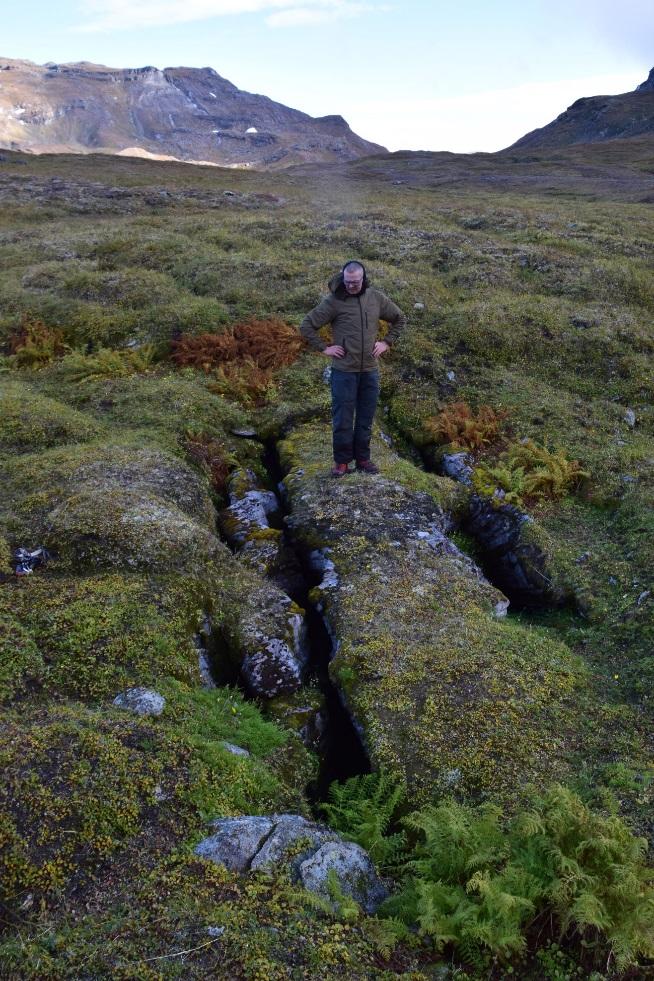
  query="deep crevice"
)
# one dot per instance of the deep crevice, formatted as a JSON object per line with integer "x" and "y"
{"x": 340, "y": 748}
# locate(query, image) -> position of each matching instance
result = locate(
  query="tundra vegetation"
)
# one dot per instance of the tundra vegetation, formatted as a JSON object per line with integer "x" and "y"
{"x": 148, "y": 324}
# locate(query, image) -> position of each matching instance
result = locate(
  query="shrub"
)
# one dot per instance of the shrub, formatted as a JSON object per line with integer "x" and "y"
{"x": 212, "y": 456}
{"x": 106, "y": 363}
{"x": 35, "y": 344}
{"x": 267, "y": 343}
{"x": 243, "y": 357}
{"x": 460, "y": 426}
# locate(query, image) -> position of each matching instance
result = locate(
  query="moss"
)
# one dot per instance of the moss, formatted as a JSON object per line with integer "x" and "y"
{"x": 99, "y": 634}
{"x": 103, "y": 506}
{"x": 30, "y": 421}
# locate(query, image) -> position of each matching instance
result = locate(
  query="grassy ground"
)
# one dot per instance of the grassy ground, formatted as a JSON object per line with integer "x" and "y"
{"x": 534, "y": 280}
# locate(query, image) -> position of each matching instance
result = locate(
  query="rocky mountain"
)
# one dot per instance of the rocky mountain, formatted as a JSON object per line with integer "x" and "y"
{"x": 190, "y": 114}
{"x": 598, "y": 118}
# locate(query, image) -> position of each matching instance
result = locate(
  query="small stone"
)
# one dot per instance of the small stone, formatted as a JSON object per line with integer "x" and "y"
{"x": 584, "y": 557}
{"x": 643, "y": 596}
{"x": 235, "y": 750}
{"x": 501, "y": 609}
{"x": 215, "y": 931}
{"x": 451, "y": 376}
{"x": 613, "y": 581}
{"x": 630, "y": 418}
{"x": 245, "y": 433}
{"x": 141, "y": 701}
{"x": 418, "y": 306}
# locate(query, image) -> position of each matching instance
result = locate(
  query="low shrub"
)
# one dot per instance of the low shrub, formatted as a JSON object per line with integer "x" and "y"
{"x": 35, "y": 344}
{"x": 462, "y": 427}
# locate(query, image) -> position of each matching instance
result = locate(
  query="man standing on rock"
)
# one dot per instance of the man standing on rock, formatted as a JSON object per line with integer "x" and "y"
{"x": 353, "y": 308}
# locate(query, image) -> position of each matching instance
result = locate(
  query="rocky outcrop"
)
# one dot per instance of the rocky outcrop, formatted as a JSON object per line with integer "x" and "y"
{"x": 247, "y": 843}
{"x": 438, "y": 685}
{"x": 190, "y": 114}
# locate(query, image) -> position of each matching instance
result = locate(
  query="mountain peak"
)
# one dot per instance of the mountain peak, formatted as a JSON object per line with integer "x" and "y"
{"x": 648, "y": 84}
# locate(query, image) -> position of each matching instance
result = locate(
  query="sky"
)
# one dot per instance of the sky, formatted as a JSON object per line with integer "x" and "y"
{"x": 461, "y": 75}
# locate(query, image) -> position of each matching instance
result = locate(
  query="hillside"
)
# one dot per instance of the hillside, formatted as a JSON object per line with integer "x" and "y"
{"x": 596, "y": 119}
{"x": 469, "y": 633}
{"x": 190, "y": 114}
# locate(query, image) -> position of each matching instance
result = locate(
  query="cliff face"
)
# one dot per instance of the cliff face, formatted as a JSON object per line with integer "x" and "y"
{"x": 191, "y": 114}
{"x": 599, "y": 118}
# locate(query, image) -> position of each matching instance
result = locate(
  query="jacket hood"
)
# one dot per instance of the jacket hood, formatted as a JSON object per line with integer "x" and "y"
{"x": 337, "y": 287}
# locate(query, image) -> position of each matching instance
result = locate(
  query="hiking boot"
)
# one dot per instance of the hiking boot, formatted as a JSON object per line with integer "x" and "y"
{"x": 340, "y": 470}
{"x": 367, "y": 466}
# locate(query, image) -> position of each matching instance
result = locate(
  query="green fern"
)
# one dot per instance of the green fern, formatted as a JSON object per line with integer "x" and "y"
{"x": 528, "y": 471}
{"x": 363, "y": 809}
{"x": 477, "y": 883}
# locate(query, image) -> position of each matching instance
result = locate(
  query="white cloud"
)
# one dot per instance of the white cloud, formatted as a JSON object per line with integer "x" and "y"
{"x": 482, "y": 121}
{"x": 302, "y": 16}
{"x": 106, "y": 15}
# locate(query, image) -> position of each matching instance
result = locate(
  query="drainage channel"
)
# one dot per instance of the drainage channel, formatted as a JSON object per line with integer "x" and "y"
{"x": 339, "y": 746}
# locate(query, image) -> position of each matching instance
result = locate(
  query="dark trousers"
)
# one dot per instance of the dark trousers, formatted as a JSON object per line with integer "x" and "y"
{"x": 354, "y": 400}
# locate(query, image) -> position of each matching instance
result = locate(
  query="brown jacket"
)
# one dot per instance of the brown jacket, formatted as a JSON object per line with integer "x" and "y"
{"x": 355, "y": 323}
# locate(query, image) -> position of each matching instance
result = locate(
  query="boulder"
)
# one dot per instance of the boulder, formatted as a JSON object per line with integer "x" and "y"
{"x": 252, "y": 843}
{"x": 353, "y": 869}
{"x": 140, "y": 701}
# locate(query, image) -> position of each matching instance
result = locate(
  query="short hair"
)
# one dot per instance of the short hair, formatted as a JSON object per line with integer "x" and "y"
{"x": 353, "y": 267}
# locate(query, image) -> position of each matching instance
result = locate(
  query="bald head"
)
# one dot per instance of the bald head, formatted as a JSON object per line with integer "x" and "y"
{"x": 353, "y": 277}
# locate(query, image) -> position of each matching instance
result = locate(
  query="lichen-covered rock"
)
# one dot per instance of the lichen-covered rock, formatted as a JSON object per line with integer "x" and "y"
{"x": 140, "y": 701}
{"x": 99, "y": 506}
{"x": 433, "y": 680}
{"x": 269, "y": 641}
{"x": 252, "y": 843}
{"x": 353, "y": 869}
{"x": 235, "y": 841}
{"x": 250, "y": 507}
{"x": 233, "y": 749}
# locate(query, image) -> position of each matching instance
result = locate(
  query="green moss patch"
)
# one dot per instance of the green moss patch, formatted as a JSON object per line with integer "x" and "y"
{"x": 30, "y": 421}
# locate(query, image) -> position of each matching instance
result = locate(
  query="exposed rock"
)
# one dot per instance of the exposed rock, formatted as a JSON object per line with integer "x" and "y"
{"x": 354, "y": 871}
{"x": 141, "y": 701}
{"x": 270, "y": 642}
{"x": 457, "y": 466}
{"x": 253, "y": 843}
{"x": 519, "y": 566}
{"x": 235, "y": 841}
{"x": 234, "y": 750}
{"x": 630, "y": 418}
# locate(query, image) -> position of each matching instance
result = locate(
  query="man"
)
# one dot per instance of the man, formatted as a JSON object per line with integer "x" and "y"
{"x": 353, "y": 308}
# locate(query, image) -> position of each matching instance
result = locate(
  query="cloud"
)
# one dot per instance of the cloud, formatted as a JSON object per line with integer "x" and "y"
{"x": 107, "y": 15}
{"x": 302, "y": 16}
{"x": 484, "y": 121}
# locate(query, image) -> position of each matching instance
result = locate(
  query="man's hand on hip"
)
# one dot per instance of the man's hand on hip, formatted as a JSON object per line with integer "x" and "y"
{"x": 380, "y": 348}
{"x": 334, "y": 351}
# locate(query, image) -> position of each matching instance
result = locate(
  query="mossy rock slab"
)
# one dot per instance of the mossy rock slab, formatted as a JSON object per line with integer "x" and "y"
{"x": 447, "y": 695}
{"x": 112, "y": 506}
{"x": 89, "y": 637}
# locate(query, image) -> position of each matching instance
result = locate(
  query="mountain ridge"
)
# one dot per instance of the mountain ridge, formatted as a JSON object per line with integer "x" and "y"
{"x": 189, "y": 114}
